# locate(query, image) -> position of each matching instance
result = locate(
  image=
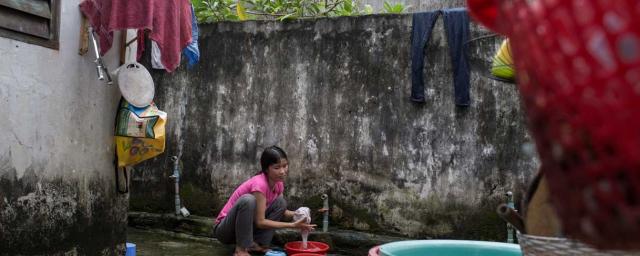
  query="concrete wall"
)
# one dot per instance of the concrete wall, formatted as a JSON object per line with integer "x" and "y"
{"x": 57, "y": 185}
{"x": 334, "y": 93}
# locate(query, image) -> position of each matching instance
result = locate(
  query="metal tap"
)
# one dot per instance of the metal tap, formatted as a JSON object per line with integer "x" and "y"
{"x": 510, "y": 228}
{"x": 103, "y": 73}
{"x": 325, "y": 208}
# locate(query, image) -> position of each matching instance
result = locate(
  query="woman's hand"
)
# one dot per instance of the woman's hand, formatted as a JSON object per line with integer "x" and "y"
{"x": 303, "y": 225}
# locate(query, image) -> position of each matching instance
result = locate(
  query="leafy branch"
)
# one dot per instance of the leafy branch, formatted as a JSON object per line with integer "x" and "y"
{"x": 208, "y": 11}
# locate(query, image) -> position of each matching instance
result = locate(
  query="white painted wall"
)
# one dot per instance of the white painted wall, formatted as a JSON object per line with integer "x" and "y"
{"x": 55, "y": 113}
{"x": 57, "y": 150}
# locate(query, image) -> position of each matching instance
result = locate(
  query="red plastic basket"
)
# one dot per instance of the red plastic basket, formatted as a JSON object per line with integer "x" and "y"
{"x": 578, "y": 66}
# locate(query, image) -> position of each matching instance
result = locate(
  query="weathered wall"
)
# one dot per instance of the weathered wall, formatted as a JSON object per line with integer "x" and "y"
{"x": 57, "y": 187}
{"x": 334, "y": 93}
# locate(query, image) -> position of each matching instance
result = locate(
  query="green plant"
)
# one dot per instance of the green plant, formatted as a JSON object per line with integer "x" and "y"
{"x": 208, "y": 11}
{"x": 350, "y": 8}
{"x": 394, "y": 8}
{"x": 290, "y": 9}
{"x": 343, "y": 8}
{"x": 281, "y": 9}
{"x": 367, "y": 9}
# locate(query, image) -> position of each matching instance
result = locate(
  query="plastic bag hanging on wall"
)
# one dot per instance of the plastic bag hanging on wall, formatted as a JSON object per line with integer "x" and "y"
{"x": 140, "y": 133}
{"x": 502, "y": 67}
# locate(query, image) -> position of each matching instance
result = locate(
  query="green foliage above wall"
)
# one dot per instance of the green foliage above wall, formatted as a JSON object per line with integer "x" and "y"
{"x": 209, "y": 11}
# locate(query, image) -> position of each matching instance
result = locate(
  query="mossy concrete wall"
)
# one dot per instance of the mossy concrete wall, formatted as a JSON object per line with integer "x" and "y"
{"x": 57, "y": 175}
{"x": 334, "y": 93}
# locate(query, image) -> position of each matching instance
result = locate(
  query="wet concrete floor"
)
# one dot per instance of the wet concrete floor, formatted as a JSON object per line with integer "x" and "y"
{"x": 156, "y": 243}
{"x": 165, "y": 243}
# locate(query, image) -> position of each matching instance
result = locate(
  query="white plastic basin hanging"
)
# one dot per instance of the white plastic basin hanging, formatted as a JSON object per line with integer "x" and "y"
{"x": 136, "y": 84}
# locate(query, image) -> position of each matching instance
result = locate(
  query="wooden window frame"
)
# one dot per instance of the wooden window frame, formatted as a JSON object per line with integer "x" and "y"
{"x": 54, "y": 30}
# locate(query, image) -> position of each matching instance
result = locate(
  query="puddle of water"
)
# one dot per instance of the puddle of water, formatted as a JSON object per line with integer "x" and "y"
{"x": 150, "y": 243}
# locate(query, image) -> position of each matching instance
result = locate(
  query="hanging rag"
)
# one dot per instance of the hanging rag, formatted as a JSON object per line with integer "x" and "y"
{"x": 456, "y": 24}
{"x": 169, "y": 23}
{"x": 423, "y": 23}
{"x": 171, "y": 31}
{"x": 192, "y": 52}
{"x": 156, "y": 56}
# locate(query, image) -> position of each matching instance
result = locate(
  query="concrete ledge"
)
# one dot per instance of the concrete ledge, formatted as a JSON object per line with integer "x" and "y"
{"x": 343, "y": 241}
{"x": 193, "y": 225}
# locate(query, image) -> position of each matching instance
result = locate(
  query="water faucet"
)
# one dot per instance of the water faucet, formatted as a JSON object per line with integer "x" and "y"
{"x": 101, "y": 68}
{"x": 325, "y": 209}
{"x": 511, "y": 205}
{"x": 176, "y": 175}
{"x": 176, "y": 167}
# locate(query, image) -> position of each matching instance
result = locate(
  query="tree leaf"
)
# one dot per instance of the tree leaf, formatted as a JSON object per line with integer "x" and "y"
{"x": 241, "y": 12}
{"x": 368, "y": 9}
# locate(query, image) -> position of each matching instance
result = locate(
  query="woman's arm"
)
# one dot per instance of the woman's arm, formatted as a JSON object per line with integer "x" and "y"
{"x": 288, "y": 215}
{"x": 263, "y": 223}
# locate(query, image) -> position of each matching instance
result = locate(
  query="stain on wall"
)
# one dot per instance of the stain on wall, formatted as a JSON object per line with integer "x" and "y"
{"x": 334, "y": 93}
{"x": 57, "y": 182}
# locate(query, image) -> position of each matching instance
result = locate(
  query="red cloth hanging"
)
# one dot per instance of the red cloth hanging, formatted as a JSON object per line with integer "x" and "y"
{"x": 169, "y": 23}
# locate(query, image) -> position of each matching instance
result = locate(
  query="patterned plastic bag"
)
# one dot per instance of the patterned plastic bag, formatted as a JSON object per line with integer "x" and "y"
{"x": 140, "y": 133}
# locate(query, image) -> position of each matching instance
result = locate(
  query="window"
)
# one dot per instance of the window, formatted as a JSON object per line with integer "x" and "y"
{"x": 31, "y": 21}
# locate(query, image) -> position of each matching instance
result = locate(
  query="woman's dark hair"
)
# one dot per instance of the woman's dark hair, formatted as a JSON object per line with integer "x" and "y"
{"x": 271, "y": 155}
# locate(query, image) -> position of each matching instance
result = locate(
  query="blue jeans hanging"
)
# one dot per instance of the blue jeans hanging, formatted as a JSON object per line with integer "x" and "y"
{"x": 421, "y": 32}
{"x": 456, "y": 23}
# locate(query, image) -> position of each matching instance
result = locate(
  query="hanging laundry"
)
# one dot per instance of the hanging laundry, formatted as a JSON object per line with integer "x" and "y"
{"x": 456, "y": 24}
{"x": 192, "y": 52}
{"x": 156, "y": 56}
{"x": 107, "y": 16}
{"x": 421, "y": 32}
{"x": 171, "y": 31}
{"x": 169, "y": 23}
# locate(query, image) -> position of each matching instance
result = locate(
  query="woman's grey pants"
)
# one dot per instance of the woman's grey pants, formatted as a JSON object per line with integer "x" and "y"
{"x": 238, "y": 226}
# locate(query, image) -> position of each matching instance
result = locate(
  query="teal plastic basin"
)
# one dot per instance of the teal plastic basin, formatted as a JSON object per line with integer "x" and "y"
{"x": 449, "y": 248}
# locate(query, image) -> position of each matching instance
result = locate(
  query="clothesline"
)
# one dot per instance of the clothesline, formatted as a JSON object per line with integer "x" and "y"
{"x": 131, "y": 41}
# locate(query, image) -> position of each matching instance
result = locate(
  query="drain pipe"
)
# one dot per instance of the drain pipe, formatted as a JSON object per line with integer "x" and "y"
{"x": 325, "y": 217}
{"x": 511, "y": 205}
{"x": 176, "y": 175}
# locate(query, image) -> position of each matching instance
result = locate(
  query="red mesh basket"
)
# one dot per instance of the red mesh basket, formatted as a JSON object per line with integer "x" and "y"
{"x": 578, "y": 66}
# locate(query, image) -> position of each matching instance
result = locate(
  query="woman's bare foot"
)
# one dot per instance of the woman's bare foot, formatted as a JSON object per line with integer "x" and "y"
{"x": 241, "y": 252}
{"x": 257, "y": 248}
